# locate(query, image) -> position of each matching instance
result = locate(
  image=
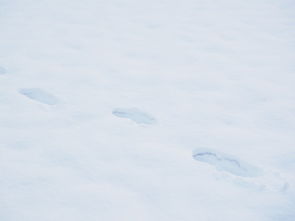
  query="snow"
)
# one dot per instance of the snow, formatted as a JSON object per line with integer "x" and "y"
{"x": 39, "y": 95}
{"x": 2, "y": 70}
{"x": 103, "y": 104}
{"x": 227, "y": 163}
{"x": 135, "y": 115}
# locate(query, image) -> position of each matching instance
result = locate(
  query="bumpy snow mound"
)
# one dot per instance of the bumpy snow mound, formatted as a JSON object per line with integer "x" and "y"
{"x": 39, "y": 95}
{"x": 226, "y": 163}
{"x": 135, "y": 115}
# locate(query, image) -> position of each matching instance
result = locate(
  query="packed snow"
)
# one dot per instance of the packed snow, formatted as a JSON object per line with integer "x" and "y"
{"x": 147, "y": 110}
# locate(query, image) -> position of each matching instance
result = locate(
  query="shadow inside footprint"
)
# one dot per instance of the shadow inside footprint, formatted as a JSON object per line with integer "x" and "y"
{"x": 226, "y": 163}
{"x": 135, "y": 115}
{"x": 39, "y": 95}
{"x": 2, "y": 70}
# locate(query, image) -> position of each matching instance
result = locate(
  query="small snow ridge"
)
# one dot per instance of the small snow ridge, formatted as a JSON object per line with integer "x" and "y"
{"x": 39, "y": 95}
{"x": 226, "y": 163}
{"x": 135, "y": 115}
{"x": 2, "y": 70}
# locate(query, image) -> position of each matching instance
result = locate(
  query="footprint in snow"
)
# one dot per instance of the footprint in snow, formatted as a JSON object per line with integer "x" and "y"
{"x": 39, "y": 95}
{"x": 2, "y": 70}
{"x": 244, "y": 174}
{"x": 135, "y": 115}
{"x": 226, "y": 163}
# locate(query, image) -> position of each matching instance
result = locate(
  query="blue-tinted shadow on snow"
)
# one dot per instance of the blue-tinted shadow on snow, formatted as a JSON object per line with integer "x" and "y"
{"x": 39, "y": 95}
{"x": 135, "y": 115}
{"x": 226, "y": 163}
{"x": 2, "y": 70}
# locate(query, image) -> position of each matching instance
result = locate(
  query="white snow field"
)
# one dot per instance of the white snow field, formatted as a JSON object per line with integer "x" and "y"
{"x": 158, "y": 110}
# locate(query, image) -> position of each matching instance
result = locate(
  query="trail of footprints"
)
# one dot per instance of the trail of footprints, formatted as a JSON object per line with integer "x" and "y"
{"x": 220, "y": 161}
